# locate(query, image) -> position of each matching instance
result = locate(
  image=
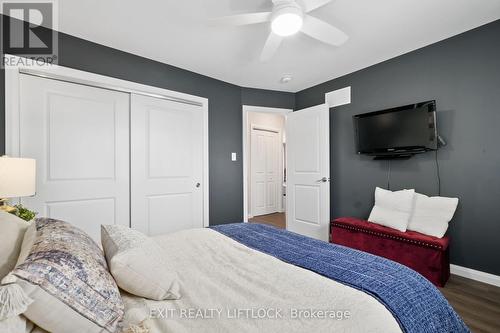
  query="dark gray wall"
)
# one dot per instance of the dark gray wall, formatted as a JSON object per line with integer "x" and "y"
{"x": 261, "y": 97}
{"x": 463, "y": 75}
{"x": 225, "y": 114}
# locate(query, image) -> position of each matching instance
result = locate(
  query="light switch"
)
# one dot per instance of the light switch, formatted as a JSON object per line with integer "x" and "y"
{"x": 233, "y": 157}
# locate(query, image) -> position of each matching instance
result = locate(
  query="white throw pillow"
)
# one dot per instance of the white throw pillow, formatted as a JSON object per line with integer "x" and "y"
{"x": 392, "y": 209}
{"x": 12, "y": 229}
{"x": 137, "y": 264}
{"x": 18, "y": 324}
{"x": 28, "y": 241}
{"x": 431, "y": 215}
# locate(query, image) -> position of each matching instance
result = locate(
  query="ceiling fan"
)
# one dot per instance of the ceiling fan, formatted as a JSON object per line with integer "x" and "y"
{"x": 287, "y": 18}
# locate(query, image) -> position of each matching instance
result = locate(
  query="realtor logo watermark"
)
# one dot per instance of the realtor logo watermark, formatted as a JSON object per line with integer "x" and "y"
{"x": 249, "y": 313}
{"x": 29, "y": 31}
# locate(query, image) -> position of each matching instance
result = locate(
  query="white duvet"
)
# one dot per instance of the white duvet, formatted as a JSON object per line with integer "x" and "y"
{"x": 228, "y": 287}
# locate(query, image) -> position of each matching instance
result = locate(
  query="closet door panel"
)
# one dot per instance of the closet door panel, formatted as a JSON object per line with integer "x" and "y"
{"x": 73, "y": 153}
{"x": 166, "y": 165}
{"x": 79, "y": 136}
{"x": 169, "y": 134}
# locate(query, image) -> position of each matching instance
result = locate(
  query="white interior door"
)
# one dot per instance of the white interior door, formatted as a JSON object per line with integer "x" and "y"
{"x": 265, "y": 175}
{"x": 79, "y": 136}
{"x": 166, "y": 165}
{"x": 308, "y": 170}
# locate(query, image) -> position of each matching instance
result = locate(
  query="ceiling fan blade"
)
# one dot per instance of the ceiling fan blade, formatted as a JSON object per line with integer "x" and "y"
{"x": 310, "y": 5}
{"x": 323, "y": 31}
{"x": 243, "y": 19}
{"x": 273, "y": 42}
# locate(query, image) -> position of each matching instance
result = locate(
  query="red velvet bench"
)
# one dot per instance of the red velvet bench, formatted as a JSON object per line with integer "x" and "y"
{"x": 425, "y": 254}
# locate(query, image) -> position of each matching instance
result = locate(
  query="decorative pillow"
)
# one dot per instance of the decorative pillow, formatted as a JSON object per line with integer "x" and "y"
{"x": 17, "y": 324}
{"x": 136, "y": 263}
{"x": 431, "y": 215}
{"x": 12, "y": 230}
{"x": 66, "y": 275}
{"x": 28, "y": 241}
{"x": 392, "y": 209}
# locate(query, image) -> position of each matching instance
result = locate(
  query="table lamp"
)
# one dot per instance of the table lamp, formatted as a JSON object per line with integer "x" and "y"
{"x": 17, "y": 179}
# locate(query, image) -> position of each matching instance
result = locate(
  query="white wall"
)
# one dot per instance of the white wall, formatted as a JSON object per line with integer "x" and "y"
{"x": 275, "y": 121}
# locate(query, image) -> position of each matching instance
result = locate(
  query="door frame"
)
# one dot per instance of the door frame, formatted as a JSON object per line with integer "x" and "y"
{"x": 70, "y": 75}
{"x": 246, "y": 145}
{"x": 257, "y": 127}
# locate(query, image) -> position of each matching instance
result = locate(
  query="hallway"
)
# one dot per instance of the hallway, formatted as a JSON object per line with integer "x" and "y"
{"x": 277, "y": 220}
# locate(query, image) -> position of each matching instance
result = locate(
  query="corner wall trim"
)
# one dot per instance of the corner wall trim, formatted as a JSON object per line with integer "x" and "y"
{"x": 475, "y": 275}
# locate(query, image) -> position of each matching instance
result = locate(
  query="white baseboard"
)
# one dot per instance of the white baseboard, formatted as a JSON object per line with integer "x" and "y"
{"x": 475, "y": 275}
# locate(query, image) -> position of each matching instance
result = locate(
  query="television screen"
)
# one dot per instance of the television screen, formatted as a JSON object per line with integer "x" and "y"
{"x": 402, "y": 130}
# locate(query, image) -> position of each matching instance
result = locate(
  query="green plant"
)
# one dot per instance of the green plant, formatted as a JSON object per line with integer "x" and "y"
{"x": 24, "y": 213}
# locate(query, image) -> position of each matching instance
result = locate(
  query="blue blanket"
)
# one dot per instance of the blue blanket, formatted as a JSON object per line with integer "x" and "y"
{"x": 416, "y": 304}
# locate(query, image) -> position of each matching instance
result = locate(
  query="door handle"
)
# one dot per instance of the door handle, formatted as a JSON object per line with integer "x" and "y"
{"x": 198, "y": 185}
{"x": 323, "y": 180}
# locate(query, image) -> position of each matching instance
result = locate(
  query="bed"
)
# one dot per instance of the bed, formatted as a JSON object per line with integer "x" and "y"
{"x": 256, "y": 278}
{"x": 229, "y": 278}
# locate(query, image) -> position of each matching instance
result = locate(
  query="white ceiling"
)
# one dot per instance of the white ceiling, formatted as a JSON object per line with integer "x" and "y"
{"x": 177, "y": 32}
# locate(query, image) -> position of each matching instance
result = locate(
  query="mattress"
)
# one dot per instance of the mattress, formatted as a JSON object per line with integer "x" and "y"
{"x": 229, "y": 287}
{"x": 414, "y": 301}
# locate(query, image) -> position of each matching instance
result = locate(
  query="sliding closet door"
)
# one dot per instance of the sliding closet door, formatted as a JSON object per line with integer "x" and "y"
{"x": 79, "y": 136}
{"x": 166, "y": 165}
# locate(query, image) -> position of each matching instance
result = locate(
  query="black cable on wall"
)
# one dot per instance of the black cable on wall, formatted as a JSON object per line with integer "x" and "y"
{"x": 389, "y": 175}
{"x": 438, "y": 173}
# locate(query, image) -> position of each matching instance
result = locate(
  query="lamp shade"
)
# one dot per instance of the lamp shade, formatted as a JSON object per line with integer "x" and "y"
{"x": 17, "y": 177}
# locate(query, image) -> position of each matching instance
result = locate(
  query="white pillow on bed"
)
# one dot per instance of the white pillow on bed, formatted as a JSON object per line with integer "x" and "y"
{"x": 136, "y": 263}
{"x": 17, "y": 324}
{"x": 392, "y": 209}
{"x": 431, "y": 215}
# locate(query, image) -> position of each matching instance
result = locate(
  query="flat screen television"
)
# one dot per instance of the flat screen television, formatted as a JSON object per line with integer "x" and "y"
{"x": 397, "y": 132}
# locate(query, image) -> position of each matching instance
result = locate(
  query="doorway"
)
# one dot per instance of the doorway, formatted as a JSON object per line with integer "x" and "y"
{"x": 264, "y": 166}
{"x": 305, "y": 170}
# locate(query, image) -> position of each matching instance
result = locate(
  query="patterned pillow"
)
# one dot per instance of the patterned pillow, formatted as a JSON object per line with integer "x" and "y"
{"x": 67, "y": 276}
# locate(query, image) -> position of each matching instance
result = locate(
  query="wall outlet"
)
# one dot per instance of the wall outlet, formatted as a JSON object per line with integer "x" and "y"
{"x": 233, "y": 157}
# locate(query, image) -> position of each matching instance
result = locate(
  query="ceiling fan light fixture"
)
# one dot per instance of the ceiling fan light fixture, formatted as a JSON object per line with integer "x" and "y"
{"x": 287, "y": 20}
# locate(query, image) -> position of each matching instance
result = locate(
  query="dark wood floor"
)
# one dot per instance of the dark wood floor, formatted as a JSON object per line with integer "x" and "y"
{"x": 276, "y": 219}
{"x": 477, "y": 303}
